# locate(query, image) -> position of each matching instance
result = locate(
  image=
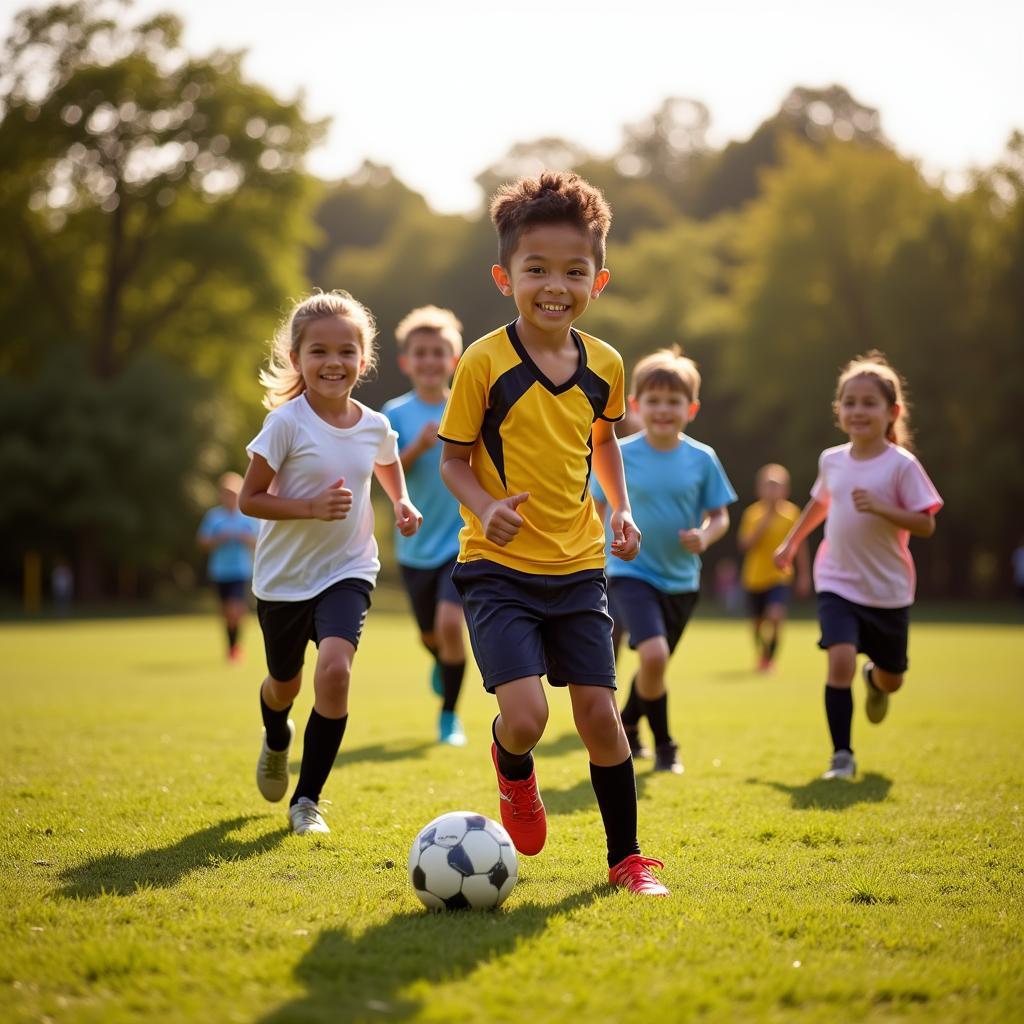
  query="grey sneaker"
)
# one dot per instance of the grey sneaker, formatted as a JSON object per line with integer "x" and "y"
{"x": 666, "y": 758}
{"x": 305, "y": 816}
{"x": 877, "y": 704}
{"x": 272, "y": 768}
{"x": 843, "y": 766}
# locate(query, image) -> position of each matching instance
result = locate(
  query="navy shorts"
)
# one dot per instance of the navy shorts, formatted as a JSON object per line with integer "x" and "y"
{"x": 525, "y": 624}
{"x": 880, "y": 633}
{"x": 288, "y": 626}
{"x": 426, "y": 589}
{"x": 231, "y": 590}
{"x": 643, "y": 611}
{"x": 759, "y": 600}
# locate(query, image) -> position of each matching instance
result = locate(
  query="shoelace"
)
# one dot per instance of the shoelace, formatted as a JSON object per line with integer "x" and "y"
{"x": 276, "y": 763}
{"x": 311, "y": 811}
{"x": 520, "y": 796}
{"x": 639, "y": 865}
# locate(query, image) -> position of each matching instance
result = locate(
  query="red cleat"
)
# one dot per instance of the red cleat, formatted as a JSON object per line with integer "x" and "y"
{"x": 634, "y": 873}
{"x": 522, "y": 810}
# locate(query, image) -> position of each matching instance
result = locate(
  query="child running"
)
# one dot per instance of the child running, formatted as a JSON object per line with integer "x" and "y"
{"x": 530, "y": 414}
{"x": 229, "y": 537}
{"x": 763, "y": 527}
{"x": 680, "y": 492}
{"x": 429, "y": 345}
{"x": 316, "y": 557}
{"x": 872, "y": 494}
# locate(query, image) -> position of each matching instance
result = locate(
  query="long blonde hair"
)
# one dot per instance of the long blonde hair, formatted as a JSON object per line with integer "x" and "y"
{"x": 873, "y": 364}
{"x": 282, "y": 381}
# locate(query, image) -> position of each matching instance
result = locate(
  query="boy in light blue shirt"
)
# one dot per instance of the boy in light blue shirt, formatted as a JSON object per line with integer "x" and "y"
{"x": 229, "y": 536}
{"x": 429, "y": 345}
{"x": 679, "y": 493}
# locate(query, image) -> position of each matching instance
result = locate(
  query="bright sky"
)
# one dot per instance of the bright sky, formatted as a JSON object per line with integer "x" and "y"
{"x": 440, "y": 89}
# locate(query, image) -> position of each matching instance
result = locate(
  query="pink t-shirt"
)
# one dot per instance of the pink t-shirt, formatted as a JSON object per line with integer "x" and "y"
{"x": 863, "y": 557}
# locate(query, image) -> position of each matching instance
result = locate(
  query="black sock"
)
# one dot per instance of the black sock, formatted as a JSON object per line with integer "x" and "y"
{"x": 839, "y": 711}
{"x": 657, "y": 716}
{"x": 319, "y": 749}
{"x": 451, "y": 677}
{"x": 513, "y": 766}
{"x": 772, "y": 646}
{"x": 632, "y": 710}
{"x": 276, "y": 724}
{"x": 232, "y": 636}
{"x": 615, "y": 789}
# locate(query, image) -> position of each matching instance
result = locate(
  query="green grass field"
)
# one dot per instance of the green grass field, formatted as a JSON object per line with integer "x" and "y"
{"x": 144, "y": 879}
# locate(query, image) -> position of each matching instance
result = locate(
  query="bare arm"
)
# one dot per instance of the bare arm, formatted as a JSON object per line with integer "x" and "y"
{"x": 415, "y": 450}
{"x": 498, "y": 516}
{"x": 392, "y": 479}
{"x": 746, "y": 541}
{"x": 607, "y": 463}
{"x": 920, "y": 524}
{"x": 254, "y": 499}
{"x": 812, "y": 516}
{"x": 714, "y": 527}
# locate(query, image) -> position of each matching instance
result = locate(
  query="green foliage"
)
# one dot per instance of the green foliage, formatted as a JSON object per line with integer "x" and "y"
{"x": 119, "y": 452}
{"x": 158, "y": 208}
{"x": 147, "y": 880}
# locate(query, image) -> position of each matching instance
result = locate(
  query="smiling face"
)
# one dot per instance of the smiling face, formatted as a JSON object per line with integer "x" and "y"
{"x": 864, "y": 411}
{"x": 552, "y": 276}
{"x": 428, "y": 361}
{"x": 330, "y": 358}
{"x": 664, "y": 412}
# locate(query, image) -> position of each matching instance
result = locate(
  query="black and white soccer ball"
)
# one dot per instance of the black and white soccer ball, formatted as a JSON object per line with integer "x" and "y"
{"x": 462, "y": 861}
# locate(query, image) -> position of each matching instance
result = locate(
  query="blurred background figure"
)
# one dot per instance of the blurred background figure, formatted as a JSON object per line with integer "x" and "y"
{"x": 229, "y": 536}
{"x": 764, "y": 526}
{"x": 1018, "y": 569}
{"x": 62, "y": 587}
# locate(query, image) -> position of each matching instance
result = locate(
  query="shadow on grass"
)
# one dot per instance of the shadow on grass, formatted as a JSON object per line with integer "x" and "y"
{"x": 124, "y": 873}
{"x": 833, "y": 794}
{"x": 362, "y": 977}
{"x": 378, "y": 753}
{"x": 580, "y": 796}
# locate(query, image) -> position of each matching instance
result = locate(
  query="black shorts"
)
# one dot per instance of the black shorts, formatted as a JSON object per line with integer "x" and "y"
{"x": 525, "y": 624}
{"x": 880, "y": 633}
{"x": 426, "y": 589}
{"x": 231, "y": 590}
{"x": 644, "y": 611}
{"x": 288, "y": 626}
{"x": 758, "y": 601}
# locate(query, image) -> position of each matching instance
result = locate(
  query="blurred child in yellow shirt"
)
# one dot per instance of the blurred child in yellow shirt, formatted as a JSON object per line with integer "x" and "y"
{"x": 763, "y": 527}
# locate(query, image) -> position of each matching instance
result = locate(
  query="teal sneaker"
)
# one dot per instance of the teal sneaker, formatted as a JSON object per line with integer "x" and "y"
{"x": 436, "y": 681}
{"x": 449, "y": 730}
{"x": 877, "y": 704}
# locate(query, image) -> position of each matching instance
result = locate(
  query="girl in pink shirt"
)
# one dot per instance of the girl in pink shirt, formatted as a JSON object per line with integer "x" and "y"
{"x": 872, "y": 494}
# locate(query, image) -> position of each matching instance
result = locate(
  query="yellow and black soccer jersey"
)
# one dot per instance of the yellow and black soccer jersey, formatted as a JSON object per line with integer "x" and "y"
{"x": 529, "y": 434}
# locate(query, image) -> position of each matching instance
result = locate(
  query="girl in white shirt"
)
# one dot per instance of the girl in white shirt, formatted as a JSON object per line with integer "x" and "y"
{"x": 872, "y": 494}
{"x": 316, "y": 556}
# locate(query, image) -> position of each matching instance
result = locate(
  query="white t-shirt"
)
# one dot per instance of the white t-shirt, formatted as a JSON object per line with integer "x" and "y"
{"x": 864, "y": 557}
{"x": 299, "y": 558}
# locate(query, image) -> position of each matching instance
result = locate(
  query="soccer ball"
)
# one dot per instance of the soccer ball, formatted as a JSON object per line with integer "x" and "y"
{"x": 462, "y": 861}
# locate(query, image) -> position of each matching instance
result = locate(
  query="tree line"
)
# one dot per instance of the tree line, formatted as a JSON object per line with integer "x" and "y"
{"x": 159, "y": 217}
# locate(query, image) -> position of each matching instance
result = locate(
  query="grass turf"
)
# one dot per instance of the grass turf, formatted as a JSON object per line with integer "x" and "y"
{"x": 145, "y": 879}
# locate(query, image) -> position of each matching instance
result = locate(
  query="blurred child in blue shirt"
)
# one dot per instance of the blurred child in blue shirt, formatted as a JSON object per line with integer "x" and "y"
{"x": 679, "y": 494}
{"x": 429, "y": 345}
{"x": 229, "y": 536}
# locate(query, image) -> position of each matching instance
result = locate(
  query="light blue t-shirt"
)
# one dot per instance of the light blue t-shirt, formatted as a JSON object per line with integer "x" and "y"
{"x": 669, "y": 491}
{"x": 437, "y": 540}
{"x": 231, "y": 560}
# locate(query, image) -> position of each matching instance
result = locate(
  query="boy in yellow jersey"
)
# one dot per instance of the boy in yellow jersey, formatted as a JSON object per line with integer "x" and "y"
{"x": 529, "y": 417}
{"x": 763, "y": 528}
